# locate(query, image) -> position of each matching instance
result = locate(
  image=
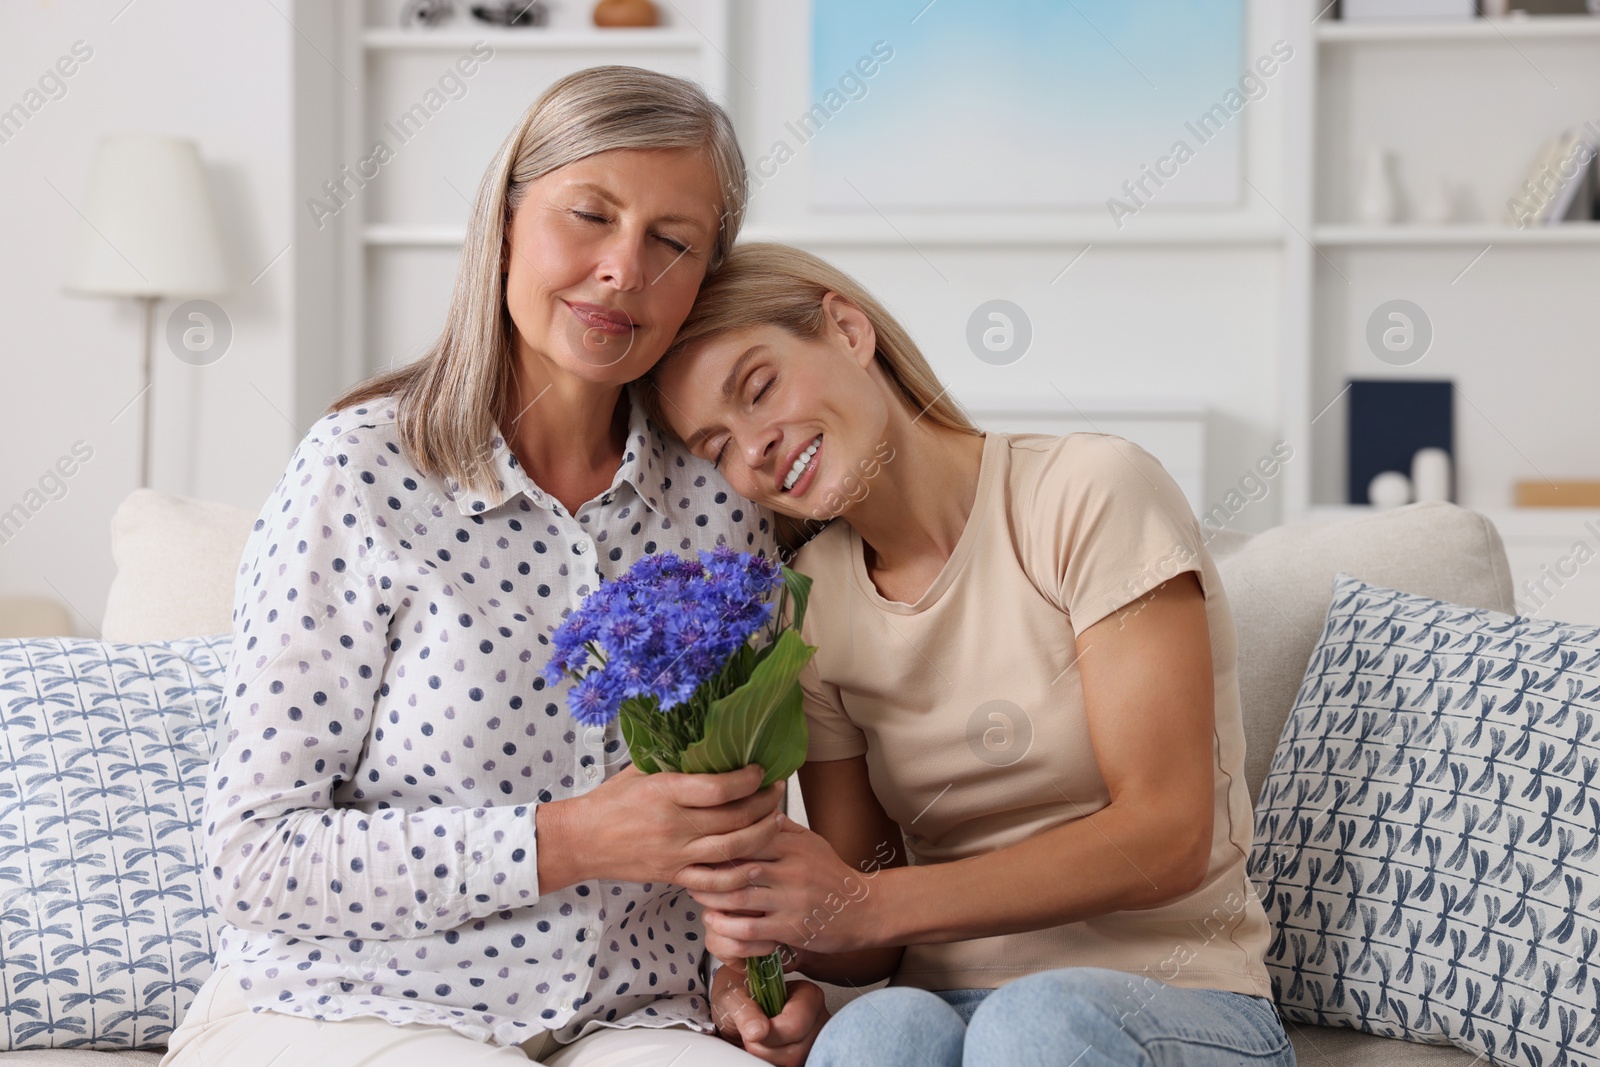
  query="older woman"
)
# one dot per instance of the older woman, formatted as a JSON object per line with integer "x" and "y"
{"x": 417, "y": 855}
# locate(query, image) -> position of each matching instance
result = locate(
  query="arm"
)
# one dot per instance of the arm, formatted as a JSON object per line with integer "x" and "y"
{"x": 844, "y": 812}
{"x": 1148, "y": 690}
{"x": 311, "y": 649}
{"x": 311, "y": 618}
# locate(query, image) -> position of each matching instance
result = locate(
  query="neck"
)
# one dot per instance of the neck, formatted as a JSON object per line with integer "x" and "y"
{"x": 917, "y": 507}
{"x": 569, "y": 434}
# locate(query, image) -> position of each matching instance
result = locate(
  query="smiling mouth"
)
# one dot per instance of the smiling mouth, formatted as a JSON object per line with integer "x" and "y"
{"x": 802, "y": 464}
{"x": 607, "y": 319}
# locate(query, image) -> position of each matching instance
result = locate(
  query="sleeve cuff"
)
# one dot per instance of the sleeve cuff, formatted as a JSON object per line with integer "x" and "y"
{"x": 502, "y": 870}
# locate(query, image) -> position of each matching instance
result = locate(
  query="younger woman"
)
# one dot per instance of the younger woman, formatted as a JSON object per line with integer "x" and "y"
{"x": 1025, "y": 671}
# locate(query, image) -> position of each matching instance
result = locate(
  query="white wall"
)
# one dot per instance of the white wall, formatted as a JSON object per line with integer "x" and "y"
{"x": 216, "y": 73}
{"x": 1129, "y": 319}
{"x": 1197, "y": 321}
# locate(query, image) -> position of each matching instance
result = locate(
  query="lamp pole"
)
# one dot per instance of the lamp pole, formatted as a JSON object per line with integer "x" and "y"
{"x": 148, "y": 303}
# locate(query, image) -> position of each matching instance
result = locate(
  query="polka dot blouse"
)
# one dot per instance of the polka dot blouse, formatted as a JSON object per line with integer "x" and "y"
{"x": 370, "y": 814}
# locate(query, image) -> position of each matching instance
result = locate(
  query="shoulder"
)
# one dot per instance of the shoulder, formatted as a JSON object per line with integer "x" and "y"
{"x": 1078, "y": 457}
{"x": 347, "y": 456}
{"x": 827, "y": 554}
{"x": 372, "y": 423}
{"x": 1080, "y": 470}
{"x": 690, "y": 488}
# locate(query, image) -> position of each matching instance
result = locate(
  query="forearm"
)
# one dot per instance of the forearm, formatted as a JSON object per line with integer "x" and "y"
{"x": 1114, "y": 860}
{"x": 851, "y": 968}
{"x": 372, "y": 875}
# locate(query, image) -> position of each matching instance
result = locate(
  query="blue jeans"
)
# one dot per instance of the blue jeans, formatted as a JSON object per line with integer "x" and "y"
{"x": 1082, "y": 1016}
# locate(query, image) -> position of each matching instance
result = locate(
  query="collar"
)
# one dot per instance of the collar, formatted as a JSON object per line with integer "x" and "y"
{"x": 644, "y": 467}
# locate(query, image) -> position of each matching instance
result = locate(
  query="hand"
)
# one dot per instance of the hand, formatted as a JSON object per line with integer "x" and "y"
{"x": 797, "y": 891}
{"x": 786, "y": 1038}
{"x": 638, "y": 827}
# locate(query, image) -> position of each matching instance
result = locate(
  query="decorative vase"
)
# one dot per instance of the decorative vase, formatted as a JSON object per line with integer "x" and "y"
{"x": 1389, "y": 489}
{"x": 1430, "y": 474}
{"x": 619, "y": 13}
{"x": 1376, "y": 203}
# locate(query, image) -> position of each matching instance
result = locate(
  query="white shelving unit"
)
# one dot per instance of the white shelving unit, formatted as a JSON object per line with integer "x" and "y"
{"x": 401, "y": 237}
{"x": 534, "y": 40}
{"x": 1571, "y": 233}
{"x": 1545, "y": 27}
{"x": 1509, "y": 307}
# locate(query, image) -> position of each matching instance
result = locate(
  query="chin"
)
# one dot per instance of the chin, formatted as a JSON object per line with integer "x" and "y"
{"x": 619, "y": 373}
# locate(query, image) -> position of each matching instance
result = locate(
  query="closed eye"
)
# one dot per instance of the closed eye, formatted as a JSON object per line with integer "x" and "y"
{"x": 671, "y": 242}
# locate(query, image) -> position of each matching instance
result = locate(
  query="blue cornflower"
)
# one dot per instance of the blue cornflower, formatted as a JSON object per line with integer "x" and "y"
{"x": 662, "y": 629}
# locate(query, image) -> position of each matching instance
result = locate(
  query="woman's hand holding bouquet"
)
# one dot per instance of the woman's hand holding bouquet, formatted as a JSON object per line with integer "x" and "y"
{"x": 666, "y": 648}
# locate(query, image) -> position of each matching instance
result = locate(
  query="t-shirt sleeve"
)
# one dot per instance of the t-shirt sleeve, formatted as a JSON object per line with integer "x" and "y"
{"x": 1111, "y": 525}
{"x": 830, "y": 733}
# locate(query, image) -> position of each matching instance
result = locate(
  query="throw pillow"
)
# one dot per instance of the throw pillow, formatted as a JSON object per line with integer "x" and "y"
{"x": 1426, "y": 835}
{"x": 105, "y": 933}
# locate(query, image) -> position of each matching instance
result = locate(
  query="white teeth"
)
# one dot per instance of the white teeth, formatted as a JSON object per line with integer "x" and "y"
{"x": 801, "y": 463}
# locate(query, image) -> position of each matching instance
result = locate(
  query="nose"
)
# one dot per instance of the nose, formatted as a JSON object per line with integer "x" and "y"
{"x": 762, "y": 446}
{"x": 621, "y": 262}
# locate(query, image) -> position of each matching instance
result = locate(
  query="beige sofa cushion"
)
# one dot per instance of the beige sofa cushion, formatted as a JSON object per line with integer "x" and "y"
{"x": 34, "y": 616}
{"x": 176, "y": 562}
{"x": 1280, "y": 584}
{"x": 81, "y": 1057}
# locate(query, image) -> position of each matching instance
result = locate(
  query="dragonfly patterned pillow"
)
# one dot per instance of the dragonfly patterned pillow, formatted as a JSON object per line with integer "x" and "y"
{"x": 105, "y": 934}
{"x": 1426, "y": 835}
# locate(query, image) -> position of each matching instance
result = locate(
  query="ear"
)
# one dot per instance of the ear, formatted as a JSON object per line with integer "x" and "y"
{"x": 851, "y": 327}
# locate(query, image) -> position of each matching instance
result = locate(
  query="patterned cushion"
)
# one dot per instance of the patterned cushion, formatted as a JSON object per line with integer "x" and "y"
{"x": 1426, "y": 836}
{"x": 105, "y": 934}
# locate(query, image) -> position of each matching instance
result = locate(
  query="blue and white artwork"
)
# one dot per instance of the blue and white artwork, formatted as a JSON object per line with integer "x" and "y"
{"x": 1008, "y": 104}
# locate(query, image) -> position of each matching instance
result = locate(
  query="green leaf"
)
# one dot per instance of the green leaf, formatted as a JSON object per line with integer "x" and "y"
{"x": 799, "y": 586}
{"x": 763, "y": 721}
{"x": 640, "y": 744}
{"x": 782, "y": 747}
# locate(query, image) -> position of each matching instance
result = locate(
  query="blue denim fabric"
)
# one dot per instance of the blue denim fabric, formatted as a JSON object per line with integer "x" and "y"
{"x": 1079, "y": 1016}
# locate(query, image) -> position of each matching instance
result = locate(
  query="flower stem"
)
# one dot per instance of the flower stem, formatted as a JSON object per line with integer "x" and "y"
{"x": 764, "y": 977}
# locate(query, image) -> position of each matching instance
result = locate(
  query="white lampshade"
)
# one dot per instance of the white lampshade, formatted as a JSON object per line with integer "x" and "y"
{"x": 150, "y": 228}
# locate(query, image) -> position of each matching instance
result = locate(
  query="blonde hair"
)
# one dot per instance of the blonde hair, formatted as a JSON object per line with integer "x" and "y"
{"x": 776, "y": 285}
{"x": 451, "y": 398}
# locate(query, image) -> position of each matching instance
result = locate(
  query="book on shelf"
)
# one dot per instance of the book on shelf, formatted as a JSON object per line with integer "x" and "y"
{"x": 1560, "y": 187}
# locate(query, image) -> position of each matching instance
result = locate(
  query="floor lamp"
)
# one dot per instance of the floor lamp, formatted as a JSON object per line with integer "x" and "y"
{"x": 147, "y": 230}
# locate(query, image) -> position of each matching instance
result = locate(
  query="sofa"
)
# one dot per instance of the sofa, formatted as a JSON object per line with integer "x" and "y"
{"x": 176, "y": 561}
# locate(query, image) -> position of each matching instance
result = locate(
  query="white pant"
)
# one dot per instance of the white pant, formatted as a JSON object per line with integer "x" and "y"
{"x": 220, "y": 1030}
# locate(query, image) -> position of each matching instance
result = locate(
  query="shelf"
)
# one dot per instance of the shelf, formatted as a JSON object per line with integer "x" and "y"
{"x": 1565, "y": 233}
{"x": 872, "y": 232}
{"x": 1540, "y": 27}
{"x": 532, "y": 40}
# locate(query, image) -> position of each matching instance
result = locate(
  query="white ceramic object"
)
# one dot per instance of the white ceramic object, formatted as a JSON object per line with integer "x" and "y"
{"x": 1430, "y": 474}
{"x": 1389, "y": 489}
{"x": 1376, "y": 203}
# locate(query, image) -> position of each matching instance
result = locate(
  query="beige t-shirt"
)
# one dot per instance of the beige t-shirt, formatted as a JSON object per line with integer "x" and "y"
{"x": 969, "y": 709}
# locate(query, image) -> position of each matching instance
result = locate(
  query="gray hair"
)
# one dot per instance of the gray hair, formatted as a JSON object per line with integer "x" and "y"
{"x": 451, "y": 398}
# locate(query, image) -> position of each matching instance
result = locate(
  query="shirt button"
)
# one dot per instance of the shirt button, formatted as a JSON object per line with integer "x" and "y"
{"x": 581, "y": 546}
{"x": 590, "y": 771}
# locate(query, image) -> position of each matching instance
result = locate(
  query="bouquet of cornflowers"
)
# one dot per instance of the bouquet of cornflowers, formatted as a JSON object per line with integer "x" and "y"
{"x": 667, "y": 649}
